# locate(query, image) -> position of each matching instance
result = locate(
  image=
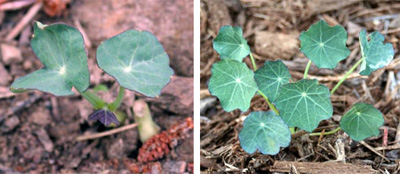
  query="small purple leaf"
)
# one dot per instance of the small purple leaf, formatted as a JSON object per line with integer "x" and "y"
{"x": 104, "y": 116}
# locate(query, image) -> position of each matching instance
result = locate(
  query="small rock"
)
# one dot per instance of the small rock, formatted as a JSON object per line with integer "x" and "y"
{"x": 177, "y": 96}
{"x": 276, "y": 45}
{"x": 27, "y": 65}
{"x": 10, "y": 54}
{"x": 353, "y": 29}
{"x": 45, "y": 140}
{"x": 336, "y": 118}
{"x": 10, "y": 124}
{"x": 5, "y": 77}
{"x": 174, "y": 167}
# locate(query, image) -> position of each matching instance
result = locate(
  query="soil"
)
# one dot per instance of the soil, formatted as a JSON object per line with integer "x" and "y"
{"x": 272, "y": 29}
{"x": 38, "y": 131}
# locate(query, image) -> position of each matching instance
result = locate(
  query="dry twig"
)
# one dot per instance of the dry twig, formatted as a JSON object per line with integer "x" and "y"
{"x": 24, "y": 21}
{"x": 106, "y": 133}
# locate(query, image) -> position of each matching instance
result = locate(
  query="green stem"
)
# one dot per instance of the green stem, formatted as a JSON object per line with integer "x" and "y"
{"x": 253, "y": 62}
{"x": 325, "y": 133}
{"x": 117, "y": 102}
{"x": 346, "y": 75}
{"x": 93, "y": 99}
{"x": 307, "y": 68}
{"x": 269, "y": 103}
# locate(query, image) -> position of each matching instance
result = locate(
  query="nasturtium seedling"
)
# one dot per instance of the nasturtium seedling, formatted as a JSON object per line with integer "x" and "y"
{"x": 375, "y": 54}
{"x": 324, "y": 45}
{"x": 304, "y": 104}
{"x": 233, "y": 83}
{"x": 61, "y": 50}
{"x": 137, "y": 60}
{"x": 264, "y": 131}
{"x": 362, "y": 121}
{"x": 271, "y": 77}
{"x": 230, "y": 43}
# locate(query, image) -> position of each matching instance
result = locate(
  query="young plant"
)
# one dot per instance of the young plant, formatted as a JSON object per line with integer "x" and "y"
{"x": 134, "y": 58}
{"x": 302, "y": 104}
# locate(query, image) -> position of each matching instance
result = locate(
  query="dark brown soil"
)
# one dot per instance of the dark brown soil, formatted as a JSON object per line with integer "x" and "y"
{"x": 272, "y": 29}
{"x": 38, "y": 130}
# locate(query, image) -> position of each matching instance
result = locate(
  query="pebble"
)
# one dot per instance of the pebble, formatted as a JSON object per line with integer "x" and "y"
{"x": 10, "y": 54}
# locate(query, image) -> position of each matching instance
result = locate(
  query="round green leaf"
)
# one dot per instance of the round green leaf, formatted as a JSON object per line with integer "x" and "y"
{"x": 264, "y": 131}
{"x": 304, "y": 104}
{"x": 375, "y": 53}
{"x": 233, "y": 83}
{"x": 271, "y": 77}
{"x": 230, "y": 43}
{"x": 137, "y": 60}
{"x": 324, "y": 45}
{"x": 362, "y": 121}
{"x": 61, "y": 50}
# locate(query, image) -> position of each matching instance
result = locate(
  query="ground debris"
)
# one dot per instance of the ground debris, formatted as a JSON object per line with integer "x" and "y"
{"x": 317, "y": 168}
{"x": 267, "y": 47}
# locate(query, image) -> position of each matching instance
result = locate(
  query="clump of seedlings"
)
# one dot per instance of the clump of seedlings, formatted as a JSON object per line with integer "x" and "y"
{"x": 299, "y": 104}
{"x": 136, "y": 59}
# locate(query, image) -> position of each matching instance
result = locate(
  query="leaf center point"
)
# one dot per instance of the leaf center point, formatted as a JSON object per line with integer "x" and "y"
{"x": 262, "y": 124}
{"x": 62, "y": 70}
{"x": 303, "y": 94}
{"x": 321, "y": 44}
{"x": 127, "y": 69}
{"x": 238, "y": 80}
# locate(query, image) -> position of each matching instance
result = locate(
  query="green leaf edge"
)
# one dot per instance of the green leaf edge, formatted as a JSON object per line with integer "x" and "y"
{"x": 365, "y": 70}
{"x": 376, "y": 133}
{"x": 310, "y": 81}
{"x": 336, "y": 26}
{"x": 267, "y": 114}
{"x": 257, "y": 74}
{"x": 222, "y": 105}
{"x": 42, "y": 27}
{"x": 242, "y": 39}
{"x": 173, "y": 72}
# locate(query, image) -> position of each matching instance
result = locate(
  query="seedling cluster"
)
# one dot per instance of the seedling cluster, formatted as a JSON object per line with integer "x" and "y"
{"x": 299, "y": 104}
{"x": 136, "y": 59}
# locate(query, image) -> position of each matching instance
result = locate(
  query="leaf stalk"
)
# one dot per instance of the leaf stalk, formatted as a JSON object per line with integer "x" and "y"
{"x": 253, "y": 62}
{"x": 93, "y": 99}
{"x": 268, "y": 102}
{"x": 307, "y": 68}
{"x": 346, "y": 75}
{"x": 325, "y": 133}
{"x": 117, "y": 102}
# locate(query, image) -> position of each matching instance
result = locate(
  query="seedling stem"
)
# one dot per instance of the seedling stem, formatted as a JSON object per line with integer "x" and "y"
{"x": 307, "y": 68}
{"x": 117, "y": 102}
{"x": 325, "y": 133}
{"x": 93, "y": 99}
{"x": 253, "y": 62}
{"x": 269, "y": 103}
{"x": 345, "y": 76}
